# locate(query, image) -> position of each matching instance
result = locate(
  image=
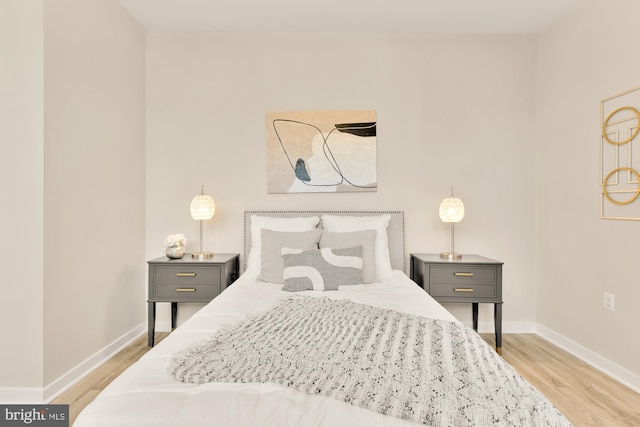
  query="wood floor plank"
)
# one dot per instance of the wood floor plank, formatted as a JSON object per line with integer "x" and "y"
{"x": 586, "y": 396}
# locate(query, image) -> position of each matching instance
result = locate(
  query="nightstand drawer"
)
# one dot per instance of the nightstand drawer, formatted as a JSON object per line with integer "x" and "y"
{"x": 462, "y": 274}
{"x": 173, "y": 292}
{"x": 439, "y": 290}
{"x": 187, "y": 274}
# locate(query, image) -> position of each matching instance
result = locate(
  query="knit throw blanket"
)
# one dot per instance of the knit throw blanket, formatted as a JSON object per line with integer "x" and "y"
{"x": 429, "y": 371}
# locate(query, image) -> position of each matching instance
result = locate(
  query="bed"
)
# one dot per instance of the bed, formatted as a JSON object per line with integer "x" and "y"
{"x": 323, "y": 328}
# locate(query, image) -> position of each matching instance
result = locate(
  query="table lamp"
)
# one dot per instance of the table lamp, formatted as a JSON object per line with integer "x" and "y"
{"x": 202, "y": 208}
{"x": 451, "y": 211}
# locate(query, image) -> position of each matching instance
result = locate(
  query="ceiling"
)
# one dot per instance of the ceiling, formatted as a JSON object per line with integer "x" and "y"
{"x": 443, "y": 16}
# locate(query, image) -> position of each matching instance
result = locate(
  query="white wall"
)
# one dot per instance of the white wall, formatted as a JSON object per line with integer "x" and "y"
{"x": 21, "y": 159}
{"x": 588, "y": 55}
{"x": 94, "y": 180}
{"x": 451, "y": 109}
{"x": 72, "y": 131}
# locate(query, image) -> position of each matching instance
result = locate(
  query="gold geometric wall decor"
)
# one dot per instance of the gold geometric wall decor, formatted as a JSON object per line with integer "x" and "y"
{"x": 620, "y": 156}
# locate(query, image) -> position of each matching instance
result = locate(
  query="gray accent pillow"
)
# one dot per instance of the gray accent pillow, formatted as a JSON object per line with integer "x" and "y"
{"x": 364, "y": 238}
{"x": 271, "y": 262}
{"x": 321, "y": 269}
{"x": 349, "y": 223}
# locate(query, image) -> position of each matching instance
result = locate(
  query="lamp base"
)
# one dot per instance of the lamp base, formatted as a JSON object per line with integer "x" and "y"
{"x": 450, "y": 255}
{"x": 202, "y": 255}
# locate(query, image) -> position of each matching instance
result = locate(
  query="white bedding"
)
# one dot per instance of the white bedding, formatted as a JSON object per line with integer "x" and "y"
{"x": 147, "y": 395}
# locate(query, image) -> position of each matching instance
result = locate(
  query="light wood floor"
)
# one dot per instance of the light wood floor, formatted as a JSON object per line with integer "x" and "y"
{"x": 586, "y": 396}
{"x": 82, "y": 393}
{"x": 583, "y": 394}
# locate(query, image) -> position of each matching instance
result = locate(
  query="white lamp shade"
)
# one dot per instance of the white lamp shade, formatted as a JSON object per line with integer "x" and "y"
{"x": 202, "y": 207}
{"x": 451, "y": 210}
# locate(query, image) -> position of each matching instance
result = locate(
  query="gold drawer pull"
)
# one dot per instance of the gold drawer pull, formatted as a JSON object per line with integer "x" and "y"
{"x": 185, "y": 290}
{"x": 463, "y": 289}
{"x": 186, "y": 274}
{"x": 464, "y": 274}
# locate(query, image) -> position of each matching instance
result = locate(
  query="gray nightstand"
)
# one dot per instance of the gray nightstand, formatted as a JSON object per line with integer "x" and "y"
{"x": 472, "y": 279}
{"x": 187, "y": 280}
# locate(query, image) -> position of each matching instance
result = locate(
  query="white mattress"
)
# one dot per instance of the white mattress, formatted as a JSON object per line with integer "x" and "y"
{"x": 146, "y": 395}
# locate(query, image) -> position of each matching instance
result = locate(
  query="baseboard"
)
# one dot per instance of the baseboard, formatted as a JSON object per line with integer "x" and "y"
{"x": 606, "y": 366}
{"x": 60, "y": 385}
{"x": 12, "y": 395}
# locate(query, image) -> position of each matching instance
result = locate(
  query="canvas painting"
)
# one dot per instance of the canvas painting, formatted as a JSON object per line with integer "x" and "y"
{"x": 321, "y": 151}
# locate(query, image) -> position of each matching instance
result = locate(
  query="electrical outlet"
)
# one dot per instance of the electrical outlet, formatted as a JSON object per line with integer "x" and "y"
{"x": 609, "y": 301}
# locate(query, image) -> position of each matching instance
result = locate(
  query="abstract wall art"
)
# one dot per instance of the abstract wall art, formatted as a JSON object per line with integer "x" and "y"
{"x": 321, "y": 151}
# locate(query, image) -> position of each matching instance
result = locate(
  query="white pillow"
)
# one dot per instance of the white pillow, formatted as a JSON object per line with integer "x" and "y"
{"x": 254, "y": 260}
{"x": 346, "y": 224}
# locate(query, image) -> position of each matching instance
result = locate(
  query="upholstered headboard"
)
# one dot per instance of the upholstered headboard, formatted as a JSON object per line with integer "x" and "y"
{"x": 395, "y": 230}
